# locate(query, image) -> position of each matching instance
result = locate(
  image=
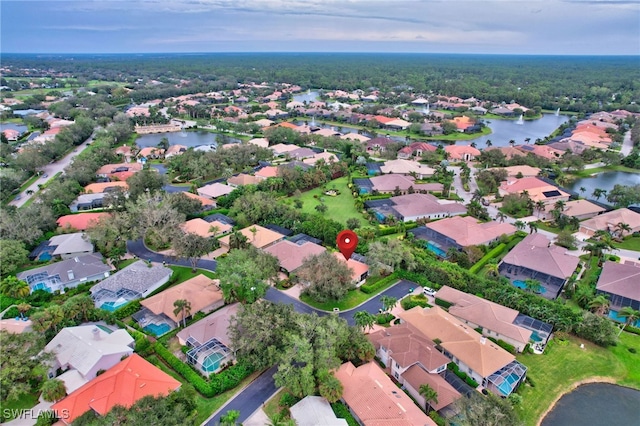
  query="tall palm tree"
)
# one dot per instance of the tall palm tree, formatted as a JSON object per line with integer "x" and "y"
{"x": 532, "y": 285}
{"x": 599, "y": 305}
{"x": 520, "y": 225}
{"x": 540, "y": 206}
{"x": 533, "y": 227}
{"x": 237, "y": 240}
{"x": 388, "y": 302}
{"x": 630, "y": 316}
{"x": 622, "y": 227}
{"x": 492, "y": 268}
{"x": 582, "y": 190}
{"x": 489, "y": 143}
{"x": 598, "y": 192}
{"x": 57, "y": 316}
{"x": 429, "y": 394}
{"x": 560, "y": 205}
{"x": 53, "y": 390}
{"x": 501, "y": 217}
{"x": 364, "y": 320}
{"x": 13, "y": 287}
{"x": 183, "y": 307}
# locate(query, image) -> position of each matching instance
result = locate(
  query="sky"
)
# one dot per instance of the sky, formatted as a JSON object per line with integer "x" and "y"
{"x": 556, "y": 27}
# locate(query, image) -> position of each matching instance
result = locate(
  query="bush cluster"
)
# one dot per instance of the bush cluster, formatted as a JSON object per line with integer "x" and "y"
{"x": 487, "y": 257}
{"x": 370, "y": 288}
{"x": 413, "y": 301}
{"x": 464, "y": 376}
{"x": 127, "y": 310}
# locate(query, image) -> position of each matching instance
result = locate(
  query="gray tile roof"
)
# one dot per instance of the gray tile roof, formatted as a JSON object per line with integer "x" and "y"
{"x": 82, "y": 266}
{"x": 138, "y": 277}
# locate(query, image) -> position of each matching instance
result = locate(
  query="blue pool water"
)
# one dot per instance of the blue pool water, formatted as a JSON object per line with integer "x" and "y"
{"x": 614, "y": 316}
{"x": 45, "y": 257}
{"x": 535, "y": 336}
{"x": 521, "y": 285}
{"x": 111, "y": 306}
{"x": 41, "y": 286}
{"x": 437, "y": 250}
{"x": 157, "y": 329}
{"x": 212, "y": 362}
{"x": 507, "y": 386}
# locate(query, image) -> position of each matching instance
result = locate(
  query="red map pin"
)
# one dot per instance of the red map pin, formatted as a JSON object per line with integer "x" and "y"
{"x": 347, "y": 242}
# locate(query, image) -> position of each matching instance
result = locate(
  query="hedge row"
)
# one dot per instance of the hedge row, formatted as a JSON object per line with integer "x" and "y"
{"x": 443, "y": 303}
{"x": 217, "y": 383}
{"x": 369, "y": 288}
{"x": 464, "y": 376}
{"x": 389, "y": 230}
{"x": 127, "y": 310}
{"x": 504, "y": 345}
{"x": 487, "y": 257}
{"x": 413, "y": 301}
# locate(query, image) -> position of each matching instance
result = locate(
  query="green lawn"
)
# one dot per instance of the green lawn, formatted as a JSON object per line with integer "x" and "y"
{"x": 546, "y": 227}
{"x": 618, "y": 168}
{"x": 183, "y": 273}
{"x": 340, "y": 207}
{"x": 564, "y": 363}
{"x": 26, "y": 400}
{"x": 350, "y": 301}
{"x": 631, "y": 243}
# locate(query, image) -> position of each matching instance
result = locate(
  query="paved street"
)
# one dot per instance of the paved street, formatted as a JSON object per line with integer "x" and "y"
{"x": 139, "y": 249}
{"x": 50, "y": 170}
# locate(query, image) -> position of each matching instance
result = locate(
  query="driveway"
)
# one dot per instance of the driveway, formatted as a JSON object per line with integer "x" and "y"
{"x": 627, "y": 145}
{"x": 140, "y": 250}
{"x": 50, "y": 170}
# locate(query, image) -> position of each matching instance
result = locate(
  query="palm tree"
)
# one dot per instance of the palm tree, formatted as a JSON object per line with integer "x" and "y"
{"x": 429, "y": 394}
{"x": 57, "y": 316}
{"x": 13, "y": 287}
{"x": 512, "y": 142}
{"x": 583, "y": 190}
{"x": 477, "y": 195}
{"x": 53, "y": 390}
{"x": 364, "y": 320}
{"x": 540, "y": 206}
{"x": 597, "y": 193}
{"x": 253, "y": 231}
{"x": 630, "y": 316}
{"x": 184, "y": 307}
{"x": 533, "y": 227}
{"x": 492, "y": 268}
{"x": 237, "y": 240}
{"x": 388, "y": 302}
{"x": 520, "y": 225}
{"x": 599, "y": 305}
{"x": 501, "y": 217}
{"x": 532, "y": 285}
{"x": 23, "y": 308}
{"x": 622, "y": 227}
{"x": 489, "y": 143}
{"x": 560, "y": 205}
{"x": 229, "y": 418}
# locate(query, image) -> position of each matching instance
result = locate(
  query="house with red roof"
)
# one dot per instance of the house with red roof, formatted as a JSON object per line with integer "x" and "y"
{"x": 415, "y": 149}
{"x": 80, "y": 221}
{"x": 462, "y": 152}
{"x": 123, "y": 384}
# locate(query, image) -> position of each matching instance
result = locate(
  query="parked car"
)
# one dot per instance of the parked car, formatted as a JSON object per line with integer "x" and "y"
{"x": 427, "y": 291}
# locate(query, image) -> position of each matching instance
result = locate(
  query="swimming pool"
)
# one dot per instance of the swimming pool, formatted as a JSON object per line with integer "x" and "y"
{"x": 507, "y": 385}
{"x": 536, "y": 337}
{"x": 521, "y": 285}
{"x": 41, "y": 286}
{"x": 157, "y": 329}
{"x": 112, "y": 306}
{"x": 212, "y": 362}
{"x": 614, "y": 316}
{"x": 436, "y": 249}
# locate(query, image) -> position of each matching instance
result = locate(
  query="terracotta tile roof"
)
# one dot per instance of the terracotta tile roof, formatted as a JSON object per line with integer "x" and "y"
{"x": 578, "y": 208}
{"x": 202, "y": 228}
{"x": 111, "y": 168}
{"x": 243, "y": 179}
{"x": 463, "y": 122}
{"x": 287, "y": 125}
{"x": 416, "y": 377}
{"x": 382, "y": 119}
{"x": 213, "y": 325}
{"x": 203, "y": 200}
{"x": 538, "y": 189}
{"x": 489, "y": 315}
{"x": 356, "y": 137}
{"x": 457, "y": 152}
{"x": 406, "y": 167}
{"x": 375, "y": 399}
{"x": 267, "y": 172}
{"x": 123, "y": 384}
{"x": 150, "y": 151}
{"x": 97, "y": 188}
{"x": 480, "y": 354}
{"x": 291, "y": 255}
{"x": 80, "y": 221}
{"x": 358, "y": 268}
{"x": 622, "y": 279}
{"x": 215, "y": 190}
{"x": 509, "y": 151}
{"x": 467, "y": 231}
{"x": 512, "y": 171}
{"x": 264, "y": 237}
{"x": 610, "y": 219}
{"x": 201, "y": 292}
{"x": 413, "y": 205}
{"x": 536, "y": 252}
{"x": 388, "y": 183}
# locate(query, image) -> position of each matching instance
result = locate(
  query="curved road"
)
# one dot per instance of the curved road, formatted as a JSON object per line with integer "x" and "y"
{"x": 262, "y": 388}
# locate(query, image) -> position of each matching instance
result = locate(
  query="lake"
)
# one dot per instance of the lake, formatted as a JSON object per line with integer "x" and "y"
{"x": 188, "y": 139}
{"x": 596, "y": 404}
{"x": 605, "y": 181}
{"x": 19, "y": 127}
{"x": 311, "y": 96}
{"x": 502, "y": 131}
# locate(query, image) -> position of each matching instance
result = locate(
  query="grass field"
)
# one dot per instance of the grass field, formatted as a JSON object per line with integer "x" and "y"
{"x": 632, "y": 243}
{"x": 564, "y": 363}
{"x": 10, "y": 407}
{"x": 340, "y": 207}
{"x": 351, "y": 300}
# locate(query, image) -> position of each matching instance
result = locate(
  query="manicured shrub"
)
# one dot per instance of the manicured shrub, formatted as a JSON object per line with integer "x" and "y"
{"x": 127, "y": 310}
{"x": 370, "y": 288}
{"x": 487, "y": 257}
{"x": 288, "y": 400}
{"x": 437, "y": 418}
{"x": 632, "y": 350}
{"x": 442, "y": 303}
{"x": 413, "y": 301}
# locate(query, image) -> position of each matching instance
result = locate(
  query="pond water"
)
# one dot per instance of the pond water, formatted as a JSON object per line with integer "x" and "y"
{"x": 502, "y": 131}
{"x": 309, "y": 96}
{"x": 605, "y": 181}
{"x": 596, "y": 404}
{"x": 188, "y": 139}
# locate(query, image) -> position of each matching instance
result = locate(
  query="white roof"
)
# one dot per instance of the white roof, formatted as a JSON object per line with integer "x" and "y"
{"x": 77, "y": 242}
{"x": 83, "y": 347}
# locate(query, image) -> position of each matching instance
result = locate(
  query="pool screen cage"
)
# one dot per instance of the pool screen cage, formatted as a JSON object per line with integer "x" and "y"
{"x": 198, "y": 354}
{"x": 507, "y": 379}
{"x": 542, "y": 329}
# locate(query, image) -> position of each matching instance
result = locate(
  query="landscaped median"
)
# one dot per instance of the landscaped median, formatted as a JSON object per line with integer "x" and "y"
{"x": 355, "y": 297}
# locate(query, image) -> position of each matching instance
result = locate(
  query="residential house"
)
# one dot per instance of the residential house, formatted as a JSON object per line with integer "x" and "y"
{"x": 215, "y": 190}
{"x": 72, "y": 245}
{"x": 397, "y": 124}
{"x": 485, "y": 362}
{"x": 496, "y": 321}
{"x": 408, "y": 355}
{"x": 431, "y": 129}
{"x": 356, "y": 137}
{"x": 205, "y": 229}
{"x": 202, "y": 293}
{"x": 219, "y": 217}
{"x": 291, "y": 256}
{"x": 207, "y": 203}
{"x": 87, "y": 202}
{"x": 459, "y": 232}
{"x": 407, "y": 167}
{"x": 267, "y": 172}
{"x": 149, "y": 153}
{"x": 243, "y": 179}
{"x": 544, "y": 151}
{"x": 508, "y": 151}
{"x": 374, "y": 399}
{"x": 420, "y": 102}
{"x": 379, "y": 144}
{"x": 567, "y": 144}
{"x": 609, "y": 222}
{"x": 136, "y": 281}
{"x": 393, "y": 182}
{"x": 110, "y": 169}
{"x": 124, "y": 384}
{"x": 80, "y": 221}
{"x": 536, "y": 258}
{"x": 315, "y": 411}
{"x": 87, "y": 349}
{"x": 100, "y": 187}
{"x": 416, "y": 149}
{"x": 257, "y": 236}
{"x": 620, "y": 283}
{"x": 412, "y": 207}
{"x": 174, "y": 150}
{"x": 463, "y": 122}
{"x": 327, "y": 157}
{"x": 261, "y": 142}
{"x": 301, "y": 154}
{"x": 282, "y": 149}
{"x": 537, "y": 189}
{"x": 581, "y": 209}
{"x": 68, "y": 273}
{"x": 517, "y": 172}
{"x": 462, "y": 152}
{"x": 359, "y": 269}
{"x": 208, "y": 340}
